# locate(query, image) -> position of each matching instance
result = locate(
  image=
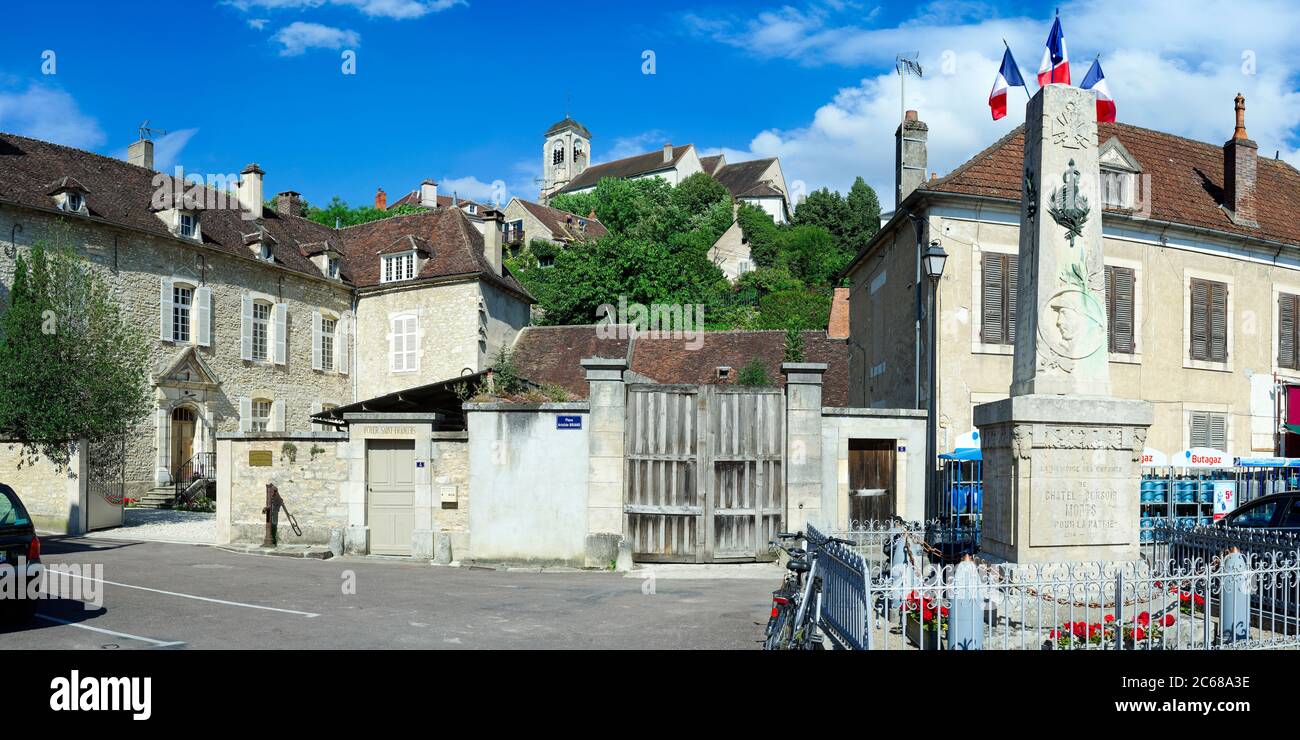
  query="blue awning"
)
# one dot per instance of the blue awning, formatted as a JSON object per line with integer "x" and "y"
{"x": 966, "y": 454}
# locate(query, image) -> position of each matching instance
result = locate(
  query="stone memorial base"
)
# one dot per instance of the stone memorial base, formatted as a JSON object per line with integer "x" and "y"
{"x": 1061, "y": 477}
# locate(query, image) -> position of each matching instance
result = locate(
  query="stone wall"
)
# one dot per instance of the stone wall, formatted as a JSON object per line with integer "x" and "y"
{"x": 50, "y": 496}
{"x": 906, "y": 427}
{"x": 310, "y": 479}
{"x": 135, "y": 264}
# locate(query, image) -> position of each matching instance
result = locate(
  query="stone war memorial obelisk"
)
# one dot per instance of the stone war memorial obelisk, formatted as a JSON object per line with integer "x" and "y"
{"x": 1061, "y": 456}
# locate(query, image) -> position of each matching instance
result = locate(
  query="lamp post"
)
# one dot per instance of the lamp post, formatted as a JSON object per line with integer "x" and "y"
{"x": 933, "y": 262}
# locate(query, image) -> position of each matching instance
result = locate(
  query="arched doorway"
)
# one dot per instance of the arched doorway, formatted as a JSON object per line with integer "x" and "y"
{"x": 184, "y": 423}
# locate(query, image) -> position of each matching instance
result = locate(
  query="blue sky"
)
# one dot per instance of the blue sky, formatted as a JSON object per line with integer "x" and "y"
{"x": 461, "y": 91}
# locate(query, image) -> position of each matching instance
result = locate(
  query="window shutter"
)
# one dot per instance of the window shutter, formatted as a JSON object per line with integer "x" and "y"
{"x": 1200, "y": 321}
{"x": 1218, "y": 424}
{"x": 316, "y": 408}
{"x": 394, "y": 325}
{"x": 412, "y": 343}
{"x": 276, "y": 423}
{"x": 1200, "y": 429}
{"x": 1218, "y": 322}
{"x": 246, "y": 328}
{"x": 317, "y": 330}
{"x": 281, "y": 333}
{"x": 165, "y": 310}
{"x": 245, "y": 413}
{"x": 991, "y": 296}
{"x": 1286, "y": 331}
{"x": 1012, "y": 288}
{"x": 203, "y": 316}
{"x": 1120, "y": 286}
{"x": 341, "y": 346}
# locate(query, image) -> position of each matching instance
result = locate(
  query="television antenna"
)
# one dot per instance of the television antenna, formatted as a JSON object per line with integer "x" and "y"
{"x": 905, "y": 63}
{"x": 147, "y": 134}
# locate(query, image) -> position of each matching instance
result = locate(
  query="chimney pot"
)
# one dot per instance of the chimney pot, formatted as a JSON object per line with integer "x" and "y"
{"x": 381, "y": 200}
{"x": 910, "y": 115}
{"x": 140, "y": 154}
{"x": 668, "y": 153}
{"x": 1240, "y": 156}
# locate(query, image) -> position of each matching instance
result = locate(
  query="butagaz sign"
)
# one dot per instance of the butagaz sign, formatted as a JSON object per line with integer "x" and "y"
{"x": 568, "y": 422}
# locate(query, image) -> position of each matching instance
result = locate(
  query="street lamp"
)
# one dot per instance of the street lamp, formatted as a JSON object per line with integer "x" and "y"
{"x": 933, "y": 261}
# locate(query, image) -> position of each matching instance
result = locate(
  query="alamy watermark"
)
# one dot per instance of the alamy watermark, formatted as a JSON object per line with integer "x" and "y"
{"x": 655, "y": 321}
{"x": 24, "y": 581}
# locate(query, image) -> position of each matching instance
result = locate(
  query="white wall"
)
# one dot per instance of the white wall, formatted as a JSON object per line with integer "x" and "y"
{"x": 528, "y": 483}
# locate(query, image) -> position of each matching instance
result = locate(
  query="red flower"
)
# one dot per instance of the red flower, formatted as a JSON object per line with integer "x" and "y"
{"x": 1200, "y": 600}
{"x": 1094, "y": 629}
{"x": 1169, "y": 620}
{"x": 1110, "y": 618}
{"x": 1139, "y": 633}
{"x": 1143, "y": 619}
{"x": 1080, "y": 629}
{"x": 1184, "y": 597}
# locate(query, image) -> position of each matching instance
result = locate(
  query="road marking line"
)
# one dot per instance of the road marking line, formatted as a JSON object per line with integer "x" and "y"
{"x": 102, "y": 631}
{"x": 308, "y": 615}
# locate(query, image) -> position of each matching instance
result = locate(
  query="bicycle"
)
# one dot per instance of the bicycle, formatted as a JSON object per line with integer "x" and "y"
{"x": 796, "y": 605}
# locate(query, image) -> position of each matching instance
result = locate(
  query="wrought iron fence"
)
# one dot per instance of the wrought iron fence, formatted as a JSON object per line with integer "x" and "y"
{"x": 1211, "y": 588}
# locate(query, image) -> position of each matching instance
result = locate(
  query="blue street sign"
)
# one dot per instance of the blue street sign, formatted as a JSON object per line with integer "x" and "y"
{"x": 568, "y": 422}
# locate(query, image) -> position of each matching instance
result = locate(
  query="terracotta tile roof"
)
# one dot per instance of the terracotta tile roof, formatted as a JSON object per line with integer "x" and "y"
{"x": 454, "y": 245}
{"x": 838, "y": 327}
{"x": 745, "y": 178}
{"x": 711, "y": 164}
{"x": 564, "y": 225}
{"x": 444, "y": 201}
{"x": 641, "y": 164}
{"x": 1186, "y": 180}
{"x": 554, "y": 354}
{"x": 122, "y": 194}
{"x": 687, "y": 361}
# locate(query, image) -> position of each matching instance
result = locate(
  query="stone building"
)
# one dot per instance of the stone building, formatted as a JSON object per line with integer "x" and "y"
{"x": 1202, "y": 263}
{"x": 258, "y": 317}
{"x": 526, "y": 221}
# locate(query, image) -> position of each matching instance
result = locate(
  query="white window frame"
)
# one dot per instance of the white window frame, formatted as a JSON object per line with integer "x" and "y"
{"x": 183, "y": 310}
{"x": 73, "y": 202}
{"x": 265, "y": 323}
{"x": 1121, "y": 178}
{"x": 395, "y": 268}
{"x": 193, "y": 232}
{"x": 404, "y": 329}
{"x": 259, "y": 421}
{"x": 1224, "y": 367}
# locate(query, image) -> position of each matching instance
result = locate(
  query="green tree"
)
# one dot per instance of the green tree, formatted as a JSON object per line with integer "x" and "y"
{"x": 794, "y": 309}
{"x": 761, "y": 233}
{"x": 338, "y": 213}
{"x": 71, "y": 365}
{"x": 793, "y": 345}
{"x": 825, "y": 208}
{"x": 811, "y": 254}
{"x": 754, "y": 373}
{"x": 863, "y": 215}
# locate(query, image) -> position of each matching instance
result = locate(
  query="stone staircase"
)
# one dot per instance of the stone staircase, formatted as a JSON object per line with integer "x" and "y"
{"x": 157, "y": 498}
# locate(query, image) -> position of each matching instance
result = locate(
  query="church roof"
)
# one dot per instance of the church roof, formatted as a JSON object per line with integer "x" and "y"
{"x": 640, "y": 164}
{"x": 565, "y": 123}
{"x": 1186, "y": 185}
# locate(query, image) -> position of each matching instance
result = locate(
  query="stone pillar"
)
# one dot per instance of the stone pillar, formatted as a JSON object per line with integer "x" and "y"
{"x": 608, "y": 398}
{"x": 803, "y": 440}
{"x": 1061, "y": 457}
{"x": 225, "y": 469}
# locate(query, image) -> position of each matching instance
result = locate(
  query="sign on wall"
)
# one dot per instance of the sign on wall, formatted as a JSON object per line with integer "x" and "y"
{"x": 259, "y": 458}
{"x": 568, "y": 422}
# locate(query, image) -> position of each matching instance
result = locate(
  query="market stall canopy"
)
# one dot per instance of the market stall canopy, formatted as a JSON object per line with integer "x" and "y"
{"x": 1201, "y": 457}
{"x": 1153, "y": 458}
{"x": 1268, "y": 462}
{"x": 968, "y": 454}
{"x": 967, "y": 441}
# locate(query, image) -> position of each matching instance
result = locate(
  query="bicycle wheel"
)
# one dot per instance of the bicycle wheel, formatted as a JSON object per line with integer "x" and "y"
{"x": 778, "y": 629}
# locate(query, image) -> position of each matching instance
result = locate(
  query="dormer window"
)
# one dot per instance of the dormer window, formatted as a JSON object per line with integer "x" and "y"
{"x": 1117, "y": 189}
{"x": 471, "y": 209}
{"x": 69, "y": 195}
{"x": 332, "y": 270}
{"x": 264, "y": 253}
{"x": 398, "y": 267}
{"x": 188, "y": 225}
{"x": 1119, "y": 175}
{"x": 74, "y": 202}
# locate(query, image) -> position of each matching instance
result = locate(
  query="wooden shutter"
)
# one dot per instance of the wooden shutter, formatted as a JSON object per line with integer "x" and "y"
{"x": 341, "y": 346}
{"x": 1200, "y": 320}
{"x": 276, "y": 422}
{"x": 1120, "y": 286}
{"x": 1209, "y": 430}
{"x": 317, "y": 332}
{"x": 992, "y": 295}
{"x": 1012, "y": 288}
{"x": 165, "y": 310}
{"x": 1218, "y": 322}
{"x": 203, "y": 316}
{"x": 281, "y": 316}
{"x": 1219, "y": 432}
{"x": 1286, "y": 330}
{"x": 245, "y": 414}
{"x": 394, "y": 344}
{"x": 246, "y": 327}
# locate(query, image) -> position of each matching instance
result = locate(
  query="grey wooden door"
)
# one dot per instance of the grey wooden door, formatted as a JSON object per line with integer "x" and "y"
{"x": 704, "y": 478}
{"x": 872, "y": 494}
{"x": 390, "y": 495}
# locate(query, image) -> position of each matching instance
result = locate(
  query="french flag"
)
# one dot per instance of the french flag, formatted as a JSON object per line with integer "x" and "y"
{"x": 1056, "y": 62}
{"x": 1008, "y": 77}
{"x": 1096, "y": 80}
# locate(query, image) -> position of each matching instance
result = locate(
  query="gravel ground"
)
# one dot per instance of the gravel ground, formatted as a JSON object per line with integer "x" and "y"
{"x": 164, "y": 525}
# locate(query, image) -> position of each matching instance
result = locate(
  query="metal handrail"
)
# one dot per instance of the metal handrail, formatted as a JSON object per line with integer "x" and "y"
{"x": 201, "y": 466}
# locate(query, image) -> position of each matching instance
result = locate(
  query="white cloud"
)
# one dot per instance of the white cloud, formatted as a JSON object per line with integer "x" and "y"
{"x": 299, "y": 36}
{"x": 472, "y": 188}
{"x": 632, "y": 145}
{"x": 50, "y": 114}
{"x": 1181, "y": 80}
{"x": 167, "y": 148}
{"x": 257, "y": 24}
{"x": 392, "y": 9}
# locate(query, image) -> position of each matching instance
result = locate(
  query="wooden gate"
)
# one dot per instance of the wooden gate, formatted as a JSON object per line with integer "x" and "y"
{"x": 704, "y": 478}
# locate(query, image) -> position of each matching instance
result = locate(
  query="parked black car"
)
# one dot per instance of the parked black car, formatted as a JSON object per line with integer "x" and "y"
{"x": 19, "y": 548}
{"x": 1274, "y": 511}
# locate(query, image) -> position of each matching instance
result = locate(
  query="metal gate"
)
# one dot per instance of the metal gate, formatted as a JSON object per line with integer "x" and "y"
{"x": 105, "y": 483}
{"x": 704, "y": 478}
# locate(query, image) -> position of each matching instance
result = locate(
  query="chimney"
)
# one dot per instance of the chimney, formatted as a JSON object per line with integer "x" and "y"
{"x": 909, "y": 156}
{"x": 288, "y": 203}
{"x": 250, "y": 190}
{"x": 1239, "y": 160}
{"x": 492, "y": 224}
{"x": 455, "y": 199}
{"x": 668, "y": 153}
{"x": 429, "y": 194}
{"x": 381, "y": 200}
{"x": 140, "y": 154}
